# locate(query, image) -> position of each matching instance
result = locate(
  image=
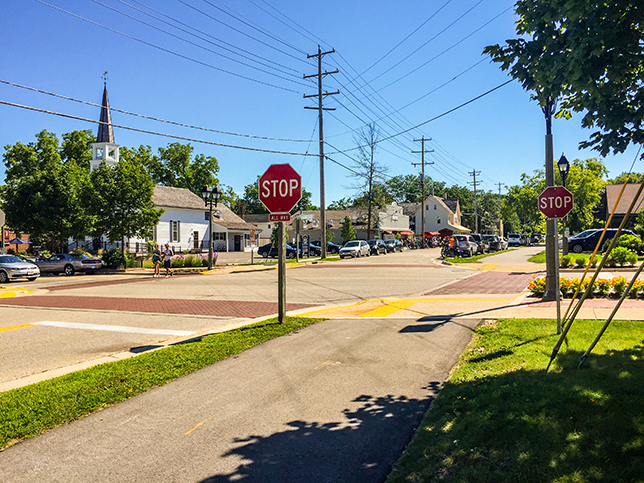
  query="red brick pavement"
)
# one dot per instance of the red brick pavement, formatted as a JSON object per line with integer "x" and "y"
{"x": 218, "y": 308}
{"x": 487, "y": 283}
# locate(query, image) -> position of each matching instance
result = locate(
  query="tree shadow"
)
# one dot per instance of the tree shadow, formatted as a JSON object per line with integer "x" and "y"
{"x": 576, "y": 426}
{"x": 362, "y": 448}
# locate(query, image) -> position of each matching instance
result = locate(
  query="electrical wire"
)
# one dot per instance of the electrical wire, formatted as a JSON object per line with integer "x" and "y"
{"x": 204, "y": 48}
{"x": 154, "y": 118}
{"x": 153, "y": 132}
{"x": 163, "y": 49}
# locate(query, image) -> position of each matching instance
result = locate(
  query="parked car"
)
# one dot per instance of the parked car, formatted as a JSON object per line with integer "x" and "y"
{"x": 315, "y": 250}
{"x": 377, "y": 247}
{"x": 525, "y": 239}
{"x": 536, "y": 238}
{"x": 330, "y": 247}
{"x": 355, "y": 248}
{"x": 394, "y": 245}
{"x": 270, "y": 250}
{"x": 466, "y": 244}
{"x": 514, "y": 240}
{"x": 12, "y": 267}
{"x": 69, "y": 263}
{"x": 483, "y": 244}
{"x": 587, "y": 240}
{"x": 493, "y": 242}
{"x": 503, "y": 243}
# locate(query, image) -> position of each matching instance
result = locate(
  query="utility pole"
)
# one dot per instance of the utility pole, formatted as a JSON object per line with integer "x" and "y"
{"x": 422, "y": 184}
{"x": 499, "y": 220}
{"x": 320, "y": 95}
{"x": 476, "y": 213}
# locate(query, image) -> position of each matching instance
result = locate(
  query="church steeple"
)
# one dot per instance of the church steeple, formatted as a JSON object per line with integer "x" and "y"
{"x": 104, "y": 149}
{"x": 105, "y": 132}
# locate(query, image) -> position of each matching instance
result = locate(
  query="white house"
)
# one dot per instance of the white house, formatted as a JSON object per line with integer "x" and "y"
{"x": 440, "y": 213}
{"x": 184, "y": 224}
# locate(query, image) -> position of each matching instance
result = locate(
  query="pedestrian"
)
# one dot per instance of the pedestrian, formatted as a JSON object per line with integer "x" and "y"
{"x": 168, "y": 260}
{"x": 156, "y": 259}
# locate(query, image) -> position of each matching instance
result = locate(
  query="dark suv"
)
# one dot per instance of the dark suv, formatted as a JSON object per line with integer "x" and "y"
{"x": 483, "y": 244}
{"x": 377, "y": 246}
{"x": 587, "y": 240}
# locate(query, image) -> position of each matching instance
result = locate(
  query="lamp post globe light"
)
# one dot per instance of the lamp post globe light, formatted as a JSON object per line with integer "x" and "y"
{"x": 209, "y": 196}
{"x": 564, "y": 167}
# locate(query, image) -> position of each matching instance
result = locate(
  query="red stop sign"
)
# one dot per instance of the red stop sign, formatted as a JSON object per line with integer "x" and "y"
{"x": 280, "y": 188}
{"x": 555, "y": 202}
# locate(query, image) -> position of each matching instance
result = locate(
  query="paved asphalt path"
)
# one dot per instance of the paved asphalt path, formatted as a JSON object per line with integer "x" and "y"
{"x": 335, "y": 402}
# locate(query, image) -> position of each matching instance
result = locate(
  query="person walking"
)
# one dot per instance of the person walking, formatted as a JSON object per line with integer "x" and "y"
{"x": 167, "y": 262}
{"x": 156, "y": 259}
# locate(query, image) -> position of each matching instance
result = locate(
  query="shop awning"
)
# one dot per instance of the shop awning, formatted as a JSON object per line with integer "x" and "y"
{"x": 459, "y": 228}
{"x": 431, "y": 234}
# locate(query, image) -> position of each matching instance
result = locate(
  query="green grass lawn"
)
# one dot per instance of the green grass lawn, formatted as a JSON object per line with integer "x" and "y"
{"x": 476, "y": 258}
{"x": 501, "y": 418}
{"x": 31, "y": 410}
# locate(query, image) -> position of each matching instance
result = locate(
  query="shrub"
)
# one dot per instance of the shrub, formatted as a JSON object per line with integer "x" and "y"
{"x": 11, "y": 251}
{"x": 565, "y": 285}
{"x": 595, "y": 261}
{"x": 638, "y": 287}
{"x": 80, "y": 251}
{"x": 619, "y": 284}
{"x": 566, "y": 260}
{"x": 113, "y": 258}
{"x": 537, "y": 286}
{"x": 622, "y": 256}
{"x": 45, "y": 254}
{"x": 580, "y": 261}
{"x": 177, "y": 262}
{"x": 631, "y": 242}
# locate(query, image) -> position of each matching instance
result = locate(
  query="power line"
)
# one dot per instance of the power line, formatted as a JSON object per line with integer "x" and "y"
{"x": 439, "y": 116}
{"x": 153, "y": 132}
{"x": 227, "y": 46}
{"x": 154, "y": 118}
{"x": 163, "y": 49}
{"x": 201, "y": 46}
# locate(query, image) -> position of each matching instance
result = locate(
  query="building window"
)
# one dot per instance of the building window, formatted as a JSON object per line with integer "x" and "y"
{"x": 206, "y": 214}
{"x": 426, "y": 207}
{"x": 175, "y": 231}
{"x": 438, "y": 220}
{"x": 216, "y": 235}
{"x": 434, "y": 207}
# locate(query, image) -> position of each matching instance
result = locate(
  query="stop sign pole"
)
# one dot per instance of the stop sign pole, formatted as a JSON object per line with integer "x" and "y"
{"x": 279, "y": 190}
{"x": 555, "y": 202}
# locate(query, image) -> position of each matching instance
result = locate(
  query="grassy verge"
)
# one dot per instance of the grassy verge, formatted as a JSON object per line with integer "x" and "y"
{"x": 500, "y": 418}
{"x": 476, "y": 258}
{"x": 31, "y": 410}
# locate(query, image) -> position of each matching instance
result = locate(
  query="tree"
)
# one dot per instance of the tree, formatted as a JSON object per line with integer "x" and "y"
{"x": 122, "y": 201}
{"x": 305, "y": 203}
{"x": 341, "y": 204}
{"x": 586, "y": 182}
{"x": 175, "y": 166}
{"x": 77, "y": 146}
{"x": 348, "y": 232}
{"x": 368, "y": 170}
{"x": 632, "y": 178}
{"x": 45, "y": 195}
{"x": 588, "y": 53}
{"x": 249, "y": 203}
{"x": 229, "y": 198}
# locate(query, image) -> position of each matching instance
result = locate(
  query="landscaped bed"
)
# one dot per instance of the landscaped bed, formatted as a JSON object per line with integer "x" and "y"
{"x": 602, "y": 287}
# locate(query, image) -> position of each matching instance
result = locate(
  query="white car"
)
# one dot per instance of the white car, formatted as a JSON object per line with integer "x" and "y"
{"x": 355, "y": 248}
{"x": 12, "y": 267}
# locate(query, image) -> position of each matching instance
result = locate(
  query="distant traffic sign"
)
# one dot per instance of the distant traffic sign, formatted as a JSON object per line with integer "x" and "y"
{"x": 555, "y": 202}
{"x": 280, "y": 188}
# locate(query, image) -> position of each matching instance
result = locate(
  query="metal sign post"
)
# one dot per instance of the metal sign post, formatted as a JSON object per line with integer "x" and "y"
{"x": 281, "y": 273}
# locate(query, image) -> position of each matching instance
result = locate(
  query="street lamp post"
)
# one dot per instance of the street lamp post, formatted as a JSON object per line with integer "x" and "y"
{"x": 209, "y": 195}
{"x": 564, "y": 167}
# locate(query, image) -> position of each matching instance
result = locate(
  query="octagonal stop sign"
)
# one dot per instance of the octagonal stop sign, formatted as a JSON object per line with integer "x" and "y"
{"x": 280, "y": 188}
{"x": 555, "y": 202}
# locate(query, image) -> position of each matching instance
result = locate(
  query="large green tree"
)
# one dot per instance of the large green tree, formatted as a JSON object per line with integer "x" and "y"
{"x": 45, "y": 194}
{"x": 176, "y": 166}
{"x": 589, "y": 54}
{"x": 121, "y": 201}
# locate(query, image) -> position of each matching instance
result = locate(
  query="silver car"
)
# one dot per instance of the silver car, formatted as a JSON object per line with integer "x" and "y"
{"x": 69, "y": 263}
{"x": 12, "y": 267}
{"x": 355, "y": 248}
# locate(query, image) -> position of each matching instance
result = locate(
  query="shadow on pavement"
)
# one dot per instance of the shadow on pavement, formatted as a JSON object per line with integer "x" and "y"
{"x": 362, "y": 448}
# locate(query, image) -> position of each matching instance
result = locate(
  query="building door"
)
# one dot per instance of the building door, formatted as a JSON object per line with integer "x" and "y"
{"x": 238, "y": 243}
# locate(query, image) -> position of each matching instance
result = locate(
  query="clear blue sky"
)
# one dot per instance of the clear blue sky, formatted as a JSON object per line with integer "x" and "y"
{"x": 436, "y": 64}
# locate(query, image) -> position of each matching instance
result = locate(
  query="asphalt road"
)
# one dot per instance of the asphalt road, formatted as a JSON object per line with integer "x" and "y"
{"x": 335, "y": 402}
{"x": 83, "y": 319}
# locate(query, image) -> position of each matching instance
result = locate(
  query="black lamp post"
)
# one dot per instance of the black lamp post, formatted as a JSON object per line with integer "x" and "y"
{"x": 564, "y": 167}
{"x": 209, "y": 195}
